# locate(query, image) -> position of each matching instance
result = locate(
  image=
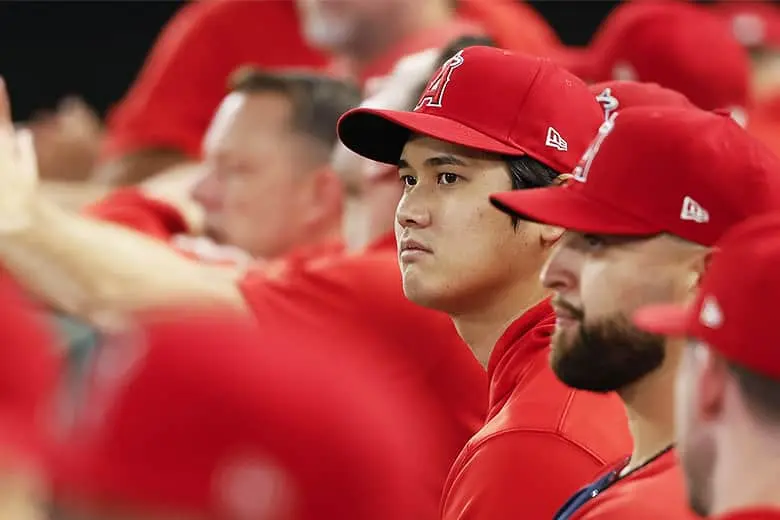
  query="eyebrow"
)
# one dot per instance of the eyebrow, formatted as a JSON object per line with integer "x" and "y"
{"x": 438, "y": 160}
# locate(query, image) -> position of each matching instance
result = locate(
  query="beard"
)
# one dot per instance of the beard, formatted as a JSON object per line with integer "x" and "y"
{"x": 605, "y": 356}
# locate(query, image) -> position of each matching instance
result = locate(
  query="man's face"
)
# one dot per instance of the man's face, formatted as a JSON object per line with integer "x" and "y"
{"x": 599, "y": 281}
{"x": 456, "y": 251}
{"x": 695, "y": 441}
{"x": 334, "y": 24}
{"x": 256, "y": 190}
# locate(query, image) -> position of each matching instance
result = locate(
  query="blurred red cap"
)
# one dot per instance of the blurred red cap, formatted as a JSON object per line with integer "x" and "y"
{"x": 678, "y": 45}
{"x": 753, "y": 24}
{"x": 197, "y": 411}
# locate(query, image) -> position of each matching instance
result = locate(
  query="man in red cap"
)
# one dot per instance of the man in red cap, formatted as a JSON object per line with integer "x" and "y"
{"x": 675, "y": 44}
{"x": 197, "y": 413}
{"x": 655, "y": 190}
{"x": 489, "y": 120}
{"x": 728, "y": 385}
{"x": 30, "y": 365}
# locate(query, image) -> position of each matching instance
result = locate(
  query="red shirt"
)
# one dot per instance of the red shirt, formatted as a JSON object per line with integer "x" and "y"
{"x": 184, "y": 79}
{"x": 542, "y": 440}
{"x": 636, "y": 496}
{"x": 764, "y": 123}
{"x": 752, "y": 514}
{"x": 357, "y": 301}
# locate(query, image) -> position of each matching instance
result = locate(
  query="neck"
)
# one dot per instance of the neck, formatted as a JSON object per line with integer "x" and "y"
{"x": 410, "y": 18}
{"x": 483, "y": 324}
{"x": 751, "y": 450}
{"x": 650, "y": 409}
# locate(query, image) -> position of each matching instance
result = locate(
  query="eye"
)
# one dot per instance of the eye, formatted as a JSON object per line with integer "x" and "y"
{"x": 594, "y": 241}
{"x": 448, "y": 178}
{"x": 408, "y": 180}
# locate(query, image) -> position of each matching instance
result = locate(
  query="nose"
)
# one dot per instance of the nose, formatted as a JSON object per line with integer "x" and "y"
{"x": 561, "y": 271}
{"x": 208, "y": 191}
{"x": 412, "y": 212}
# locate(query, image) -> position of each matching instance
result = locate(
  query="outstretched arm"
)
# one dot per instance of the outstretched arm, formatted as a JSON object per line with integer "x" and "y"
{"x": 84, "y": 266}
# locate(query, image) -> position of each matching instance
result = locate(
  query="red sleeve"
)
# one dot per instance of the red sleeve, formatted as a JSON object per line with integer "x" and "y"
{"x": 185, "y": 76}
{"x": 130, "y": 208}
{"x": 519, "y": 474}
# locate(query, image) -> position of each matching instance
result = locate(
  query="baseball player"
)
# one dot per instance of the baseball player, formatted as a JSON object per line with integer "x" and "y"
{"x": 728, "y": 384}
{"x": 491, "y": 120}
{"x": 655, "y": 190}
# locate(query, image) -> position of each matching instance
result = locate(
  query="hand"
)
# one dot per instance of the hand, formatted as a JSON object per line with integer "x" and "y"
{"x": 18, "y": 171}
{"x": 174, "y": 187}
{"x": 67, "y": 142}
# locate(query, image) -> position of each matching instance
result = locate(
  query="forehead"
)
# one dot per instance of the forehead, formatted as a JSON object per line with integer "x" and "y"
{"x": 419, "y": 148}
{"x": 243, "y": 116}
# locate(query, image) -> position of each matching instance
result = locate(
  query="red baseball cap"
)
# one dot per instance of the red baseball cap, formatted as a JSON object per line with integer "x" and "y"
{"x": 195, "y": 411}
{"x": 678, "y": 45}
{"x": 488, "y": 99}
{"x": 31, "y": 361}
{"x": 734, "y": 310}
{"x": 654, "y": 170}
{"x": 617, "y": 95}
{"x": 753, "y": 24}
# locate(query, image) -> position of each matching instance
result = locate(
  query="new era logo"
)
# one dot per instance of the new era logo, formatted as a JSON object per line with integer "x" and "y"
{"x": 711, "y": 316}
{"x": 693, "y": 211}
{"x": 554, "y": 140}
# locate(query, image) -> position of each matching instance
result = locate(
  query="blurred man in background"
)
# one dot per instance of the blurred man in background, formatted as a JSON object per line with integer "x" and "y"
{"x": 265, "y": 187}
{"x": 756, "y": 25}
{"x": 728, "y": 384}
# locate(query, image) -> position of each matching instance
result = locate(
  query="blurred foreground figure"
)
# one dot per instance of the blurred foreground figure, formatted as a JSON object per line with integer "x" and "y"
{"x": 728, "y": 384}
{"x": 29, "y": 376}
{"x": 197, "y": 414}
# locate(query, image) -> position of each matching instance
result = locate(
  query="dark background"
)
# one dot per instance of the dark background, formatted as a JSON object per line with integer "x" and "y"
{"x": 55, "y": 48}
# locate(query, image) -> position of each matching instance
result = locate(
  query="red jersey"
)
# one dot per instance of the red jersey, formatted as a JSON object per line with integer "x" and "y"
{"x": 542, "y": 440}
{"x": 758, "y": 513}
{"x": 184, "y": 79}
{"x": 357, "y": 302}
{"x": 635, "y": 495}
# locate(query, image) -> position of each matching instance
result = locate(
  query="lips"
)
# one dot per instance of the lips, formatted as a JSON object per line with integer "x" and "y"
{"x": 407, "y": 244}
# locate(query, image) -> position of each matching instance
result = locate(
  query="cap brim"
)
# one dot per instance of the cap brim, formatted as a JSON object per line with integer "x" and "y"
{"x": 380, "y": 135}
{"x": 572, "y": 210}
{"x": 666, "y": 320}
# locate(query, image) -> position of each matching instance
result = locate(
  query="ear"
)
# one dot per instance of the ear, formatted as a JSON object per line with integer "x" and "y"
{"x": 699, "y": 265}
{"x": 549, "y": 235}
{"x": 325, "y": 196}
{"x": 713, "y": 376}
{"x": 562, "y": 179}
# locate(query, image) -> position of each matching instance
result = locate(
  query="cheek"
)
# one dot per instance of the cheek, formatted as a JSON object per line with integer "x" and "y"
{"x": 608, "y": 288}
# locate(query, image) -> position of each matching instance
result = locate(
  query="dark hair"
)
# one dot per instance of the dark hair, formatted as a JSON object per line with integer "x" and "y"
{"x": 527, "y": 173}
{"x": 461, "y": 43}
{"x": 761, "y": 393}
{"x": 318, "y": 101}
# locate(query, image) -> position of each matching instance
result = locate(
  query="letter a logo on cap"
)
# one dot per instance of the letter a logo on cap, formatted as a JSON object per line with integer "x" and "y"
{"x": 583, "y": 168}
{"x": 434, "y": 92}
